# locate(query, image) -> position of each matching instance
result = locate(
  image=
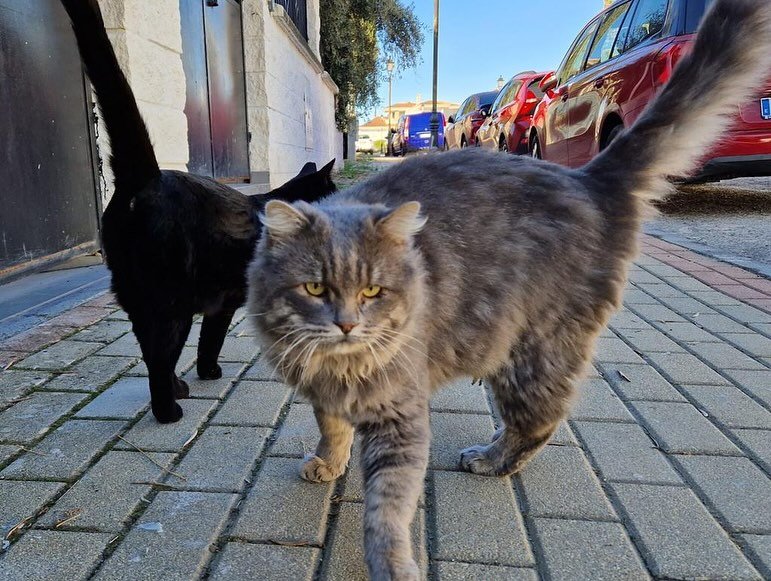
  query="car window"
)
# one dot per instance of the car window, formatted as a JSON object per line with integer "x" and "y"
{"x": 533, "y": 86}
{"x": 648, "y": 20}
{"x": 507, "y": 94}
{"x": 461, "y": 108}
{"x": 694, "y": 12}
{"x": 574, "y": 62}
{"x": 602, "y": 48}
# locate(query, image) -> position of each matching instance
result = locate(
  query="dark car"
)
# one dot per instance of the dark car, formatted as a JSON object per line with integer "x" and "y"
{"x": 506, "y": 128}
{"x": 615, "y": 66}
{"x": 462, "y": 127}
{"x": 413, "y": 133}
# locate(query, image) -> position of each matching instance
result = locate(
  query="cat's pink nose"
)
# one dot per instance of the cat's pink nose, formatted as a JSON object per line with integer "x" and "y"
{"x": 346, "y": 327}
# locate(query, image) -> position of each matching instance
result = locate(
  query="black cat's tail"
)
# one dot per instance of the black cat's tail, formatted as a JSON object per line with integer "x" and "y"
{"x": 133, "y": 159}
{"x": 731, "y": 58}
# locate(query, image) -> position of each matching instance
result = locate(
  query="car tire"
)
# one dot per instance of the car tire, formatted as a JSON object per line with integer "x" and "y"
{"x": 615, "y": 132}
{"x": 535, "y": 148}
{"x": 463, "y": 144}
{"x": 503, "y": 145}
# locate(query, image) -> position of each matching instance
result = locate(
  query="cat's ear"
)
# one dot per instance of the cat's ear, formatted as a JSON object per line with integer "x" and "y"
{"x": 402, "y": 222}
{"x": 282, "y": 220}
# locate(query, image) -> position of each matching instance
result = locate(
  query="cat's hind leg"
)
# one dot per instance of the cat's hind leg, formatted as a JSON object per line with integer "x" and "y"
{"x": 333, "y": 452}
{"x": 213, "y": 331}
{"x": 533, "y": 392}
{"x": 161, "y": 338}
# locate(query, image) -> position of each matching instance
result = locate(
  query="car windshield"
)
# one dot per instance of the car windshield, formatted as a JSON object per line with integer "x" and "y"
{"x": 487, "y": 98}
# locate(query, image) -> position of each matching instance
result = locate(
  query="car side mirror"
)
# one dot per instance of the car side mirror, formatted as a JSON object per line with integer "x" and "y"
{"x": 548, "y": 82}
{"x": 451, "y": 119}
{"x": 484, "y": 110}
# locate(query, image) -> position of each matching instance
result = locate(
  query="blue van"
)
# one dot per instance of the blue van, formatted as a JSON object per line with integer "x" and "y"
{"x": 413, "y": 133}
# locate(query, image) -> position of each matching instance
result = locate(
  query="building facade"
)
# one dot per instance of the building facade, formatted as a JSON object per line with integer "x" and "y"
{"x": 230, "y": 89}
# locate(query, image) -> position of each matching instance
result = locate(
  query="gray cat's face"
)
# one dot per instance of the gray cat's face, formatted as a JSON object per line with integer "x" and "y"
{"x": 334, "y": 283}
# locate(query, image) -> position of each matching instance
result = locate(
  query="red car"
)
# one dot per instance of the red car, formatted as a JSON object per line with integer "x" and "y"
{"x": 614, "y": 67}
{"x": 462, "y": 127}
{"x": 512, "y": 112}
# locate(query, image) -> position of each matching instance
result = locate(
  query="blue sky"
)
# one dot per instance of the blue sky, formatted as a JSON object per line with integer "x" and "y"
{"x": 480, "y": 41}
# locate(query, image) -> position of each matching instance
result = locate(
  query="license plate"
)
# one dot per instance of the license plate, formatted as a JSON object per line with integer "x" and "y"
{"x": 424, "y": 135}
{"x": 765, "y": 108}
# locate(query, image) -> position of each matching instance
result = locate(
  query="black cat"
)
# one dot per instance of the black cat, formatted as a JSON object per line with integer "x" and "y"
{"x": 177, "y": 244}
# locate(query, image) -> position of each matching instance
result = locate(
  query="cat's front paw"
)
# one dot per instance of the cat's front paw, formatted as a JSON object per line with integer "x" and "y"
{"x": 167, "y": 415}
{"x": 474, "y": 459}
{"x": 213, "y": 371}
{"x": 316, "y": 469}
{"x": 181, "y": 389}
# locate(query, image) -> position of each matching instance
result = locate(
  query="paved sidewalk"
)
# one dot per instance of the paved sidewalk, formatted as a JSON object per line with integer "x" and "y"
{"x": 662, "y": 470}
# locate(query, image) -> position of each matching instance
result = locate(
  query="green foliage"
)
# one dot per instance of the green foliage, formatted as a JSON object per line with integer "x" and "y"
{"x": 352, "y": 35}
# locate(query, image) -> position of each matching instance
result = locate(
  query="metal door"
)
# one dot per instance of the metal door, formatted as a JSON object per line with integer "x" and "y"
{"x": 48, "y": 186}
{"x": 213, "y": 58}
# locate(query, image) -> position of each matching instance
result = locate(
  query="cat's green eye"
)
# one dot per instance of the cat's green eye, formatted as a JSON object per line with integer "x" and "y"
{"x": 315, "y": 289}
{"x": 371, "y": 291}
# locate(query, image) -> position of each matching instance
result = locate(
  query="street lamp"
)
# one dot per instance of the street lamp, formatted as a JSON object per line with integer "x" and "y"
{"x": 500, "y": 83}
{"x": 434, "y": 116}
{"x": 390, "y": 68}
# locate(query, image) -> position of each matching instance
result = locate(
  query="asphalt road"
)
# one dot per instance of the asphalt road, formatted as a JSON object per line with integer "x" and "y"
{"x": 732, "y": 218}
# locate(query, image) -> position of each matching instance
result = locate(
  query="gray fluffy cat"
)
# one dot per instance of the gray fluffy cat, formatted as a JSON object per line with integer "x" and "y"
{"x": 480, "y": 264}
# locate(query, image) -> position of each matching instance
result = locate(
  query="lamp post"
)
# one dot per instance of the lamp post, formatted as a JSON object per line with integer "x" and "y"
{"x": 434, "y": 116}
{"x": 500, "y": 83}
{"x": 390, "y": 68}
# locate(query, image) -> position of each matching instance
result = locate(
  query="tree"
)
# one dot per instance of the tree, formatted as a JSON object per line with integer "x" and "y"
{"x": 352, "y": 35}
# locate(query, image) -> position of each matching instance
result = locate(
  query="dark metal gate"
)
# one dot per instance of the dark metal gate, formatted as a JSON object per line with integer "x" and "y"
{"x": 213, "y": 59}
{"x": 48, "y": 185}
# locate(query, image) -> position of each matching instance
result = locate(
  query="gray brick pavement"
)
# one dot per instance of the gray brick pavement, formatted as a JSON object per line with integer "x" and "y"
{"x": 662, "y": 471}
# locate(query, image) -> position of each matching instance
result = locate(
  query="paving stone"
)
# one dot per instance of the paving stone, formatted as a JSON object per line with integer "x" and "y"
{"x": 729, "y": 406}
{"x": 299, "y": 433}
{"x": 126, "y": 346}
{"x": 597, "y": 401}
{"x": 20, "y": 500}
{"x": 65, "y": 452}
{"x": 555, "y": 470}
{"x": 615, "y": 351}
{"x": 126, "y": 398}
{"x": 721, "y": 324}
{"x": 241, "y": 349}
{"x": 662, "y": 291}
{"x": 746, "y": 314}
{"x": 15, "y": 384}
{"x": 679, "y": 538}
{"x": 758, "y": 383}
{"x": 687, "y": 306}
{"x": 345, "y": 559}
{"x": 59, "y": 356}
{"x": 760, "y": 546}
{"x": 759, "y": 444}
{"x": 563, "y": 436}
{"x": 724, "y": 356}
{"x": 477, "y": 520}
{"x": 49, "y": 556}
{"x": 658, "y": 314}
{"x": 653, "y": 340}
{"x": 644, "y": 383}
{"x": 180, "y": 524}
{"x": 274, "y": 562}
{"x": 755, "y": 344}
{"x": 103, "y": 332}
{"x": 261, "y": 370}
{"x": 764, "y": 328}
{"x": 33, "y": 416}
{"x": 641, "y": 277}
{"x": 634, "y": 296}
{"x": 186, "y": 361}
{"x": 254, "y": 403}
{"x": 587, "y": 550}
{"x": 221, "y": 458}
{"x": 244, "y": 328}
{"x": 80, "y": 316}
{"x": 213, "y": 388}
{"x": 194, "y": 335}
{"x": 681, "y": 428}
{"x": 735, "y": 488}
{"x": 284, "y": 509}
{"x": 625, "y": 452}
{"x": 148, "y": 434}
{"x": 450, "y": 433}
{"x": 91, "y": 374}
{"x": 688, "y": 333}
{"x": 6, "y": 452}
{"x": 686, "y": 369}
{"x": 461, "y": 396}
{"x": 449, "y": 571}
{"x": 107, "y": 493}
{"x": 118, "y": 315}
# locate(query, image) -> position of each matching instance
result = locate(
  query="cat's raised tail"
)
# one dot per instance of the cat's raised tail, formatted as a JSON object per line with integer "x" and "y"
{"x": 133, "y": 159}
{"x": 730, "y": 58}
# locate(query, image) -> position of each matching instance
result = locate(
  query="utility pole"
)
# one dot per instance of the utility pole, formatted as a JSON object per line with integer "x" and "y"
{"x": 390, "y": 68}
{"x": 434, "y": 116}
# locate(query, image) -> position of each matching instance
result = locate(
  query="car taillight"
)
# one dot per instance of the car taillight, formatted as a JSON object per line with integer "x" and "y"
{"x": 407, "y": 127}
{"x": 667, "y": 59}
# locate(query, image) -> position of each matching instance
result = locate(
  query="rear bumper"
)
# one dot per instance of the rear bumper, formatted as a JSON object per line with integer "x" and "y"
{"x": 721, "y": 168}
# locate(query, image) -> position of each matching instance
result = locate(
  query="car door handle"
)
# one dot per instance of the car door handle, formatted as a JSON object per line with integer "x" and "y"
{"x": 599, "y": 83}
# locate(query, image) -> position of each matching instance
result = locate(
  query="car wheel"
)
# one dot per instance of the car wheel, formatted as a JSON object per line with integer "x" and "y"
{"x": 503, "y": 144}
{"x": 615, "y": 132}
{"x": 463, "y": 144}
{"x": 535, "y": 148}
